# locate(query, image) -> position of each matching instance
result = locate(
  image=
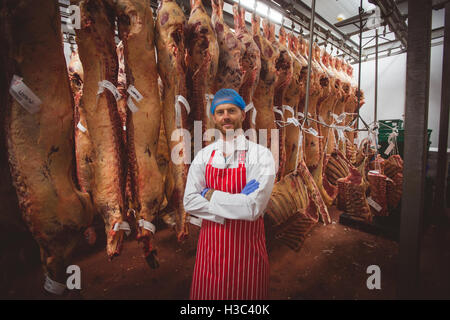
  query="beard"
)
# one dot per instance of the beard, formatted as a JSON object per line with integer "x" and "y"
{"x": 230, "y": 130}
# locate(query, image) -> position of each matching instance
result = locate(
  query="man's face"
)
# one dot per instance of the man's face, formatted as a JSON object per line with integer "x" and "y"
{"x": 228, "y": 116}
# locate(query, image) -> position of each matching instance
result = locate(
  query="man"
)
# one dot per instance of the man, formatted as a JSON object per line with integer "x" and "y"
{"x": 228, "y": 187}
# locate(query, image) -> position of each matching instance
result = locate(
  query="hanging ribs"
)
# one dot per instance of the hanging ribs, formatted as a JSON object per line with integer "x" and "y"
{"x": 40, "y": 145}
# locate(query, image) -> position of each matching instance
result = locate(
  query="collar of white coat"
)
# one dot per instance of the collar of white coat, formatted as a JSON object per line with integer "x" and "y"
{"x": 240, "y": 143}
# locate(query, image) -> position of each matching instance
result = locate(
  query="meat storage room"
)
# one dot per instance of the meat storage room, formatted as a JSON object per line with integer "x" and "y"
{"x": 107, "y": 105}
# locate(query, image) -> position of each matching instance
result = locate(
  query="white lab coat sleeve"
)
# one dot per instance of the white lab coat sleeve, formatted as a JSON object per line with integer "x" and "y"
{"x": 248, "y": 207}
{"x": 193, "y": 202}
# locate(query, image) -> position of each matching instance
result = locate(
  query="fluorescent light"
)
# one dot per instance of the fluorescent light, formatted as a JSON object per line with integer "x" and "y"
{"x": 275, "y": 16}
{"x": 261, "y": 9}
{"x": 249, "y": 4}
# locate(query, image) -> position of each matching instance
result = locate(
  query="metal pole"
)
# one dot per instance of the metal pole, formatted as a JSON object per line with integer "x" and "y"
{"x": 376, "y": 76}
{"x": 308, "y": 80}
{"x": 442, "y": 165}
{"x": 361, "y": 11}
{"x": 415, "y": 149}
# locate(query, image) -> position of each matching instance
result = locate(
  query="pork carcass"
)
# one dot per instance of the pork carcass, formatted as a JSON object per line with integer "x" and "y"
{"x": 39, "y": 133}
{"x": 170, "y": 44}
{"x": 136, "y": 29}
{"x": 251, "y": 63}
{"x": 202, "y": 61}
{"x": 264, "y": 93}
{"x": 97, "y": 50}
{"x": 284, "y": 69}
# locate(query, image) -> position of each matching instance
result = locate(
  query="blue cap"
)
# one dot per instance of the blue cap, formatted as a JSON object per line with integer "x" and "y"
{"x": 227, "y": 96}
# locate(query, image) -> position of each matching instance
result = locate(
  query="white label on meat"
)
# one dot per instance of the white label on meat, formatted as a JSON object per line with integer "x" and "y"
{"x": 195, "y": 221}
{"x": 389, "y": 149}
{"x": 131, "y": 105}
{"x": 147, "y": 225}
{"x": 122, "y": 226}
{"x": 289, "y": 108}
{"x": 53, "y": 286}
{"x": 373, "y": 204}
{"x": 293, "y": 121}
{"x": 124, "y": 128}
{"x": 108, "y": 85}
{"x": 81, "y": 127}
{"x": 24, "y": 96}
{"x": 135, "y": 93}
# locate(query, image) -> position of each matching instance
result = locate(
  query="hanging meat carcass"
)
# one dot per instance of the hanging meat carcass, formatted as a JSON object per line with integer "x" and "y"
{"x": 393, "y": 168}
{"x": 170, "y": 44}
{"x": 264, "y": 93}
{"x": 202, "y": 62}
{"x": 284, "y": 70}
{"x": 230, "y": 72}
{"x": 39, "y": 131}
{"x": 97, "y": 51}
{"x": 83, "y": 145}
{"x": 378, "y": 196}
{"x": 291, "y": 100}
{"x": 251, "y": 64}
{"x": 136, "y": 29}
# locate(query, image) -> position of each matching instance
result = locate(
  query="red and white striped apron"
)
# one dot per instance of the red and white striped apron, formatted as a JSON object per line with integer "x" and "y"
{"x": 231, "y": 261}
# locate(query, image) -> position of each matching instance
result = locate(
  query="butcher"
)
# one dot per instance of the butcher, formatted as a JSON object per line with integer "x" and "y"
{"x": 227, "y": 190}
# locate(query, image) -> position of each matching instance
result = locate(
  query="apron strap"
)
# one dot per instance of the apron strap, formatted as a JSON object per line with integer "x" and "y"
{"x": 211, "y": 158}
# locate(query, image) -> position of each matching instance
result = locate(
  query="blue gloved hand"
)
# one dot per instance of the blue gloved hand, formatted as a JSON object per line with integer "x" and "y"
{"x": 251, "y": 186}
{"x": 204, "y": 192}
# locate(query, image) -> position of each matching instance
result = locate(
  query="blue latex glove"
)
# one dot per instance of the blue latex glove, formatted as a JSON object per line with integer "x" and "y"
{"x": 204, "y": 192}
{"x": 251, "y": 186}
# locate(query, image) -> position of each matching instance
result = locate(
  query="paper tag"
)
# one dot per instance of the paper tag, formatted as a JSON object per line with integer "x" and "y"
{"x": 81, "y": 127}
{"x": 312, "y": 131}
{"x": 178, "y": 99}
{"x": 389, "y": 149}
{"x": 108, "y": 85}
{"x": 24, "y": 96}
{"x": 289, "y": 108}
{"x": 209, "y": 98}
{"x": 293, "y": 121}
{"x": 124, "y": 128}
{"x": 373, "y": 204}
{"x": 251, "y": 106}
{"x": 53, "y": 286}
{"x": 147, "y": 225}
{"x": 131, "y": 105}
{"x": 300, "y": 114}
{"x": 195, "y": 221}
{"x": 122, "y": 226}
{"x": 135, "y": 93}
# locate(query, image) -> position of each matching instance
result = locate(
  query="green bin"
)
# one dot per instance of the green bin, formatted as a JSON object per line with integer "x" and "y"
{"x": 383, "y": 141}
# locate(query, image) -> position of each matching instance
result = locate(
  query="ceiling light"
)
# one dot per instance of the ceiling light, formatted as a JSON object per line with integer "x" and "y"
{"x": 261, "y": 9}
{"x": 340, "y": 17}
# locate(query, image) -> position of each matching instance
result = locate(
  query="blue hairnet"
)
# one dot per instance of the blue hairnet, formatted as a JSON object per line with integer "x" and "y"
{"x": 227, "y": 96}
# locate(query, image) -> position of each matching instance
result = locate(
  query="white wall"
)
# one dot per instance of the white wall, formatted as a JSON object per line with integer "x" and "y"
{"x": 391, "y": 89}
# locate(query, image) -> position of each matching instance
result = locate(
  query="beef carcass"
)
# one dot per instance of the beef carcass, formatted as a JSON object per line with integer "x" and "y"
{"x": 291, "y": 100}
{"x": 202, "y": 61}
{"x": 231, "y": 50}
{"x": 40, "y": 143}
{"x": 251, "y": 63}
{"x": 97, "y": 51}
{"x": 393, "y": 168}
{"x": 170, "y": 44}
{"x": 264, "y": 93}
{"x": 83, "y": 145}
{"x": 136, "y": 29}
{"x": 284, "y": 69}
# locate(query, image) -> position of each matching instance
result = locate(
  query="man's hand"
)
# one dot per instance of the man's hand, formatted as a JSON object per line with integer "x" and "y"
{"x": 250, "y": 187}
